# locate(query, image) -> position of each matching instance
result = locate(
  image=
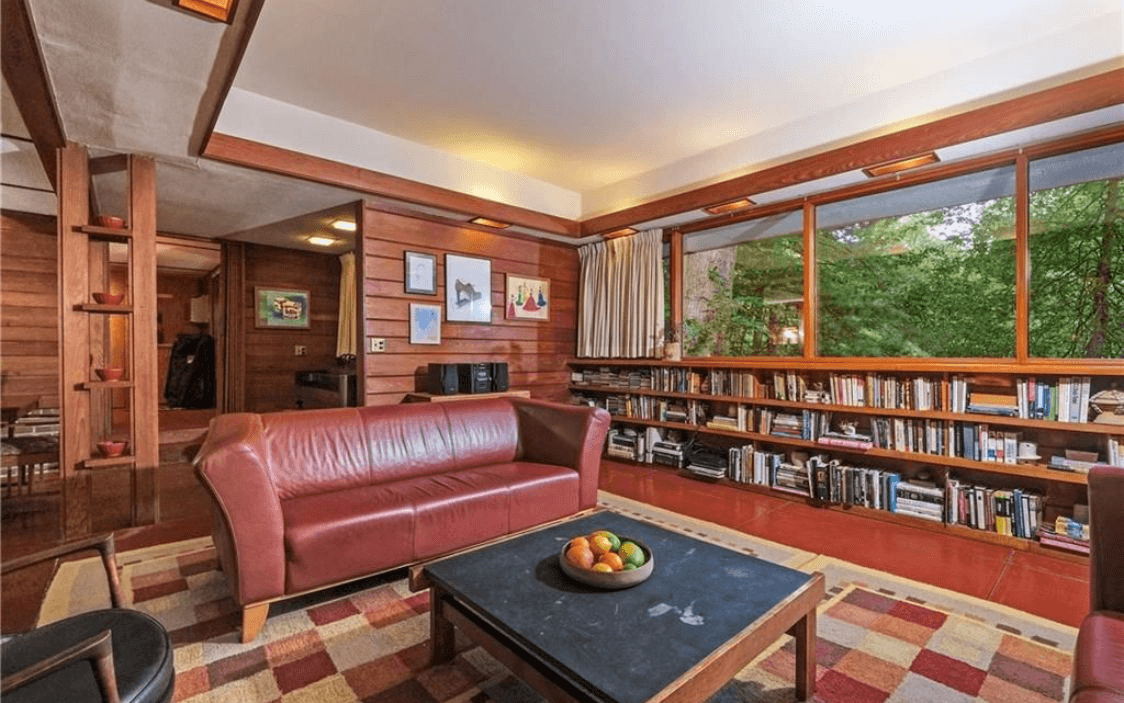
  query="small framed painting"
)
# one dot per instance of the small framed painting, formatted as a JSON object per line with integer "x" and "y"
{"x": 421, "y": 273}
{"x": 527, "y": 298}
{"x": 468, "y": 289}
{"x": 281, "y": 308}
{"x": 425, "y": 324}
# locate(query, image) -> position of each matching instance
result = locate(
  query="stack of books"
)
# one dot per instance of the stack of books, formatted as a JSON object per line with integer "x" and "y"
{"x": 1065, "y": 533}
{"x": 919, "y": 500}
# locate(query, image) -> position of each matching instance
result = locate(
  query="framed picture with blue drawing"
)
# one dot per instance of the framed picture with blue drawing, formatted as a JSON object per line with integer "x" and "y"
{"x": 468, "y": 289}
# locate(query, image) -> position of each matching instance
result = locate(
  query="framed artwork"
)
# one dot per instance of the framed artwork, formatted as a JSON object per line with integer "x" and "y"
{"x": 281, "y": 308}
{"x": 527, "y": 298}
{"x": 425, "y": 324}
{"x": 421, "y": 273}
{"x": 468, "y": 289}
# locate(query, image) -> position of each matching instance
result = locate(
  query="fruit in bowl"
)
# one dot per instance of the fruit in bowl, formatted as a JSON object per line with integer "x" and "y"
{"x": 110, "y": 373}
{"x": 604, "y": 560}
{"x": 108, "y": 298}
{"x": 111, "y": 448}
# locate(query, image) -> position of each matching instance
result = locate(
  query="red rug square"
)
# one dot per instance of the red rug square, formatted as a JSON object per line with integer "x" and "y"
{"x": 953, "y": 673}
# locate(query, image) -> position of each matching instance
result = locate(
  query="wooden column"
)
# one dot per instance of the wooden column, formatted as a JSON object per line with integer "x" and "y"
{"x": 675, "y": 280}
{"x": 74, "y": 338}
{"x": 144, "y": 415}
{"x": 1022, "y": 258}
{"x": 234, "y": 285}
{"x": 811, "y": 290}
{"x": 360, "y": 308}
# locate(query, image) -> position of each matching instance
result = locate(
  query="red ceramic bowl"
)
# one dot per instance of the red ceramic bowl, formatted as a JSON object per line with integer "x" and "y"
{"x": 111, "y": 448}
{"x": 111, "y": 373}
{"x": 108, "y": 298}
{"x": 110, "y": 221}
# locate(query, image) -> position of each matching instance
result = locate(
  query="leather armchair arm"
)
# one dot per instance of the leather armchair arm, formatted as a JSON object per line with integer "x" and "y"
{"x": 1106, "y": 534}
{"x": 564, "y": 435}
{"x": 98, "y": 649}
{"x": 250, "y": 541}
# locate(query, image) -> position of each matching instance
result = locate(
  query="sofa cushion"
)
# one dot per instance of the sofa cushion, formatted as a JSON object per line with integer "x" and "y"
{"x": 482, "y": 432}
{"x": 539, "y": 492}
{"x": 312, "y": 453}
{"x": 335, "y": 536}
{"x": 1099, "y": 657}
{"x": 406, "y": 440}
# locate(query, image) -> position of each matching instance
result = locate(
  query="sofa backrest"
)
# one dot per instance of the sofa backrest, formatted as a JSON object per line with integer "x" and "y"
{"x": 314, "y": 451}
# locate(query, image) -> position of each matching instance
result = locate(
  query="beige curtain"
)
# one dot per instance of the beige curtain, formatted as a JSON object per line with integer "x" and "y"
{"x": 347, "y": 329}
{"x": 620, "y": 312}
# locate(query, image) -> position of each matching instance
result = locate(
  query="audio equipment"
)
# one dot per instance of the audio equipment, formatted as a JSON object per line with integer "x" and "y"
{"x": 443, "y": 379}
{"x": 475, "y": 378}
{"x": 499, "y": 376}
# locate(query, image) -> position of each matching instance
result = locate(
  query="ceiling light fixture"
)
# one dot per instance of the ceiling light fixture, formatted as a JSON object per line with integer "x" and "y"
{"x": 623, "y": 232}
{"x": 221, "y": 10}
{"x": 902, "y": 164}
{"x": 345, "y": 225}
{"x": 490, "y": 223}
{"x": 732, "y": 206}
{"x": 321, "y": 241}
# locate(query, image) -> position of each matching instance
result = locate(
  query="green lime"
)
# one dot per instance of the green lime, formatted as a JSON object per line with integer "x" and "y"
{"x": 613, "y": 539}
{"x": 631, "y": 553}
{"x": 630, "y": 567}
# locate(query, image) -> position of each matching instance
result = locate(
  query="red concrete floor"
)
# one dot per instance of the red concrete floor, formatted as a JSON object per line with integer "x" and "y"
{"x": 1053, "y": 588}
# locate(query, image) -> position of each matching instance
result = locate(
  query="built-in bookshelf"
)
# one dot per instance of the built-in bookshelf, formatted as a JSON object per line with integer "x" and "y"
{"x": 993, "y": 455}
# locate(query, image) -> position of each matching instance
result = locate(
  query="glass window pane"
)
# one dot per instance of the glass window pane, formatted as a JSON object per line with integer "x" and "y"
{"x": 1077, "y": 254}
{"x": 743, "y": 289}
{"x": 923, "y": 271}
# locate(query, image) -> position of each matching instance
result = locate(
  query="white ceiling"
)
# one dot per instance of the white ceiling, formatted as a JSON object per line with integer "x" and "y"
{"x": 571, "y": 107}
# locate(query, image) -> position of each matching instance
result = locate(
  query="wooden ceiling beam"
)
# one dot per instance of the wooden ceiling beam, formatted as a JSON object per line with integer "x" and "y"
{"x": 1092, "y": 93}
{"x": 272, "y": 159}
{"x": 26, "y": 75}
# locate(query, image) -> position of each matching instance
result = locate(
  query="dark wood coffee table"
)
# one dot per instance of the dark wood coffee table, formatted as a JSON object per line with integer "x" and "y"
{"x": 704, "y": 614}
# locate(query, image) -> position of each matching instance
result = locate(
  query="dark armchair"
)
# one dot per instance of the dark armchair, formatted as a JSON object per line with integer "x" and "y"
{"x": 1098, "y": 662}
{"x": 113, "y": 655}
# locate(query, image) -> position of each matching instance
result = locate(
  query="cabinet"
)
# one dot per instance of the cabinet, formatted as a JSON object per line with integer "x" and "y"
{"x": 85, "y": 345}
{"x": 983, "y": 446}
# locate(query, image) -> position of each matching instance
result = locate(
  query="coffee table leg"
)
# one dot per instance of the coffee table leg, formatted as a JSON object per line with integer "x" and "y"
{"x": 440, "y": 629}
{"x": 805, "y": 633}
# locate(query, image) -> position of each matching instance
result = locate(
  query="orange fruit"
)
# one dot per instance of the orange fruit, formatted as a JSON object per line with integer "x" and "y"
{"x": 578, "y": 542}
{"x": 603, "y": 567}
{"x": 600, "y": 544}
{"x": 616, "y": 541}
{"x": 580, "y": 557}
{"x": 613, "y": 560}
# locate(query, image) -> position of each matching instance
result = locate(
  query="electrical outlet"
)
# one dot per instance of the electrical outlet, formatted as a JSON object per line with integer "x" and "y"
{"x": 300, "y": 350}
{"x": 376, "y": 345}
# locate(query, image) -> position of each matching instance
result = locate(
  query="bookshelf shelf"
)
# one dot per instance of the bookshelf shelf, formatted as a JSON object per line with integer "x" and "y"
{"x": 105, "y": 309}
{"x": 90, "y": 385}
{"x": 106, "y": 462}
{"x": 111, "y": 234}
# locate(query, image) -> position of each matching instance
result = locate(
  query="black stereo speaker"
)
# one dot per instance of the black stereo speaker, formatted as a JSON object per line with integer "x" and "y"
{"x": 475, "y": 378}
{"x": 499, "y": 376}
{"x": 443, "y": 379}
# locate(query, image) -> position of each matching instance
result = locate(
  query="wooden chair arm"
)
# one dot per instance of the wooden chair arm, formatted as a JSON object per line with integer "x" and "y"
{"x": 98, "y": 649}
{"x": 103, "y": 544}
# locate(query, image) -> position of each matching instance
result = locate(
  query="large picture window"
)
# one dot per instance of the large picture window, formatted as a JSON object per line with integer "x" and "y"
{"x": 743, "y": 289}
{"x": 923, "y": 271}
{"x": 1077, "y": 254}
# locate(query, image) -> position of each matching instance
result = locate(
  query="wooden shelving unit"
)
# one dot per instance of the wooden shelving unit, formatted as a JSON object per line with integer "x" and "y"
{"x": 109, "y": 385}
{"x": 110, "y": 234}
{"x": 1038, "y": 475}
{"x": 107, "y": 461}
{"x": 104, "y": 309}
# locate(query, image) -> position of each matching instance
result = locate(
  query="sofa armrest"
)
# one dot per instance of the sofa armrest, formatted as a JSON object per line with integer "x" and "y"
{"x": 564, "y": 435}
{"x": 1106, "y": 534}
{"x": 249, "y": 528}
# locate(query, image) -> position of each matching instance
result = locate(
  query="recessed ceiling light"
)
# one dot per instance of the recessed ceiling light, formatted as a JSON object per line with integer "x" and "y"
{"x": 322, "y": 241}
{"x": 902, "y": 164}
{"x": 732, "y": 206}
{"x": 345, "y": 225}
{"x": 490, "y": 223}
{"x": 221, "y": 10}
{"x": 623, "y": 232}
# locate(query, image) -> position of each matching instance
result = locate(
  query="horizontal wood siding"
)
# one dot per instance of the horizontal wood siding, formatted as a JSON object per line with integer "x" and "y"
{"x": 271, "y": 365}
{"x": 29, "y": 325}
{"x": 536, "y": 352}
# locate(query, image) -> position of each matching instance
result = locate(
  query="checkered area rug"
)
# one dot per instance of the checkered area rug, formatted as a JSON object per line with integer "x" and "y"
{"x": 368, "y": 641}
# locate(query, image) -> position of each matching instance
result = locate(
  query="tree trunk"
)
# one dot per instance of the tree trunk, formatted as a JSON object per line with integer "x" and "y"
{"x": 1102, "y": 283}
{"x": 697, "y": 287}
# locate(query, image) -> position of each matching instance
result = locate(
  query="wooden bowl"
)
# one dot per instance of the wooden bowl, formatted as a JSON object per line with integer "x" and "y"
{"x": 111, "y": 448}
{"x": 110, "y": 373}
{"x": 610, "y": 581}
{"x": 108, "y": 298}
{"x": 110, "y": 221}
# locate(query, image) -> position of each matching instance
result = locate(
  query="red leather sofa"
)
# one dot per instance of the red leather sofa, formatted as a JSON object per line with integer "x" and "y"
{"x": 307, "y": 500}
{"x": 1098, "y": 662}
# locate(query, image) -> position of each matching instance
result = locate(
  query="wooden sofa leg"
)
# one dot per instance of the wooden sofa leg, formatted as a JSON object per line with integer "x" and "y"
{"x": 253, "y": 617}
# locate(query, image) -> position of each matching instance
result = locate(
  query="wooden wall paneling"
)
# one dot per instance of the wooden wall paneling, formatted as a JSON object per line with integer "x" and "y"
{"x": 1022, "y": 258}
{"x": 29, "y": 304}
{"x": 234, "y": 307}
{"x": 360, "y": 300}
{"x": 145, "y": 405}
{"x": 74, "y": 339}
{"x": 536, "y": 352}
{"x": 216, "y": 289}
{"x": 26, "y": 76}
{"x": 1076, "y": 97}
{"x": 811, "y": 287}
